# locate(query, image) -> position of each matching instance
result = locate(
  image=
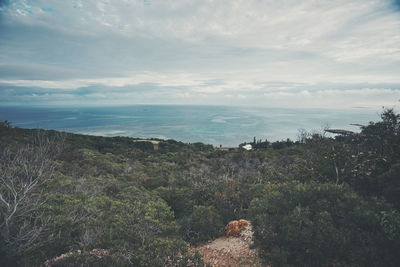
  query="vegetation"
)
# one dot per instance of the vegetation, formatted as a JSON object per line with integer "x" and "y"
{"x": 101, "y": 201}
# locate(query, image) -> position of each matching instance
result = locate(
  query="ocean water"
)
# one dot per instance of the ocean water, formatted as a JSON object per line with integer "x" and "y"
{"x": 216, "y": 125}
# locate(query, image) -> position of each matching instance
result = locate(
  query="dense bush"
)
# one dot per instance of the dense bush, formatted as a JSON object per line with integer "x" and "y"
{"x": 203, "y": 224}
{"x": 320, "y": 225}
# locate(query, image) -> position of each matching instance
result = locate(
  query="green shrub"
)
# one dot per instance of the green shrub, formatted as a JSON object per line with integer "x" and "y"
{"x": 203, "y": 224}
{"x": 320, "y": 225}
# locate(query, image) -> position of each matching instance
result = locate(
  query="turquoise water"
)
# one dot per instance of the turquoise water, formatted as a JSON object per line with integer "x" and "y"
{"x": 217, "y": 125}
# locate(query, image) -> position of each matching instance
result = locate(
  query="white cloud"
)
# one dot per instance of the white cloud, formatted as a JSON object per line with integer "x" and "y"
{"x": 196, "y": 50}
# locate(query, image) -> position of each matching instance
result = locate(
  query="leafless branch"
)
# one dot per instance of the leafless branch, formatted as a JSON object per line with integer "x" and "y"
{"x": 22, "y": 170}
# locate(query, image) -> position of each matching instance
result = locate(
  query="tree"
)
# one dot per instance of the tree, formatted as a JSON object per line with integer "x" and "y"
{"x": 377, "y": 156}
{"x": 383, "y": 138}
{"x": 22, "y": 170}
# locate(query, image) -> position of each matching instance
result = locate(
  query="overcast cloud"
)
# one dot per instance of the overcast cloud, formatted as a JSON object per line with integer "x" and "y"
{"x": 334, "y": 54}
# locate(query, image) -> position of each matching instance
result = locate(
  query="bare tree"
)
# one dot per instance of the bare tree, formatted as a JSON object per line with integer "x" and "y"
{"x": 23, "y": 168}
{"x": 302, "y": 136}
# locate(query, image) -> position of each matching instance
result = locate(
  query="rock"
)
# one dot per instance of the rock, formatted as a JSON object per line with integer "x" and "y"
{"x": 235, "y": 227}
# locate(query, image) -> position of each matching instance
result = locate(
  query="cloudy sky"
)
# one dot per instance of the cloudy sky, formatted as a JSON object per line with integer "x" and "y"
{"x": 289, "y": 53}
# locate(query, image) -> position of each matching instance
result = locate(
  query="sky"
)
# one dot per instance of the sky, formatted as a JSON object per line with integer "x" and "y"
{"x": 338, "y": 54}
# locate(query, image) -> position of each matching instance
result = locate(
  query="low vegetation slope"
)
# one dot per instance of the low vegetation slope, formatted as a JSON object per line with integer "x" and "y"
{"x": 122, "y": 201}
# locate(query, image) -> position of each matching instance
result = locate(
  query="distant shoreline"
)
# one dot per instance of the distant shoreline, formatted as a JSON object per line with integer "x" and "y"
{"x": 216, "y": 125}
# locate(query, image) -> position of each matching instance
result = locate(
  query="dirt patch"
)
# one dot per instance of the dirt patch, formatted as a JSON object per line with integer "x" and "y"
{"x": 154, "y": 142}
{"x": 230, "y": 251}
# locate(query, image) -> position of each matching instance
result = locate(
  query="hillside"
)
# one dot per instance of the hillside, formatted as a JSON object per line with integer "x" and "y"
{"x": 131, "y": 202}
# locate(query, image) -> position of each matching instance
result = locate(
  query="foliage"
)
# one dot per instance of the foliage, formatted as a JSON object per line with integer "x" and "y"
{"x": 203, "y": 224}
{"x": 319, "y": 225}
{"x": 319, "y": 201}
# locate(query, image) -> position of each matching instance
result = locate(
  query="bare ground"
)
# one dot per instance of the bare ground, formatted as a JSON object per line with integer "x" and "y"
{"x": 230, "y": 251}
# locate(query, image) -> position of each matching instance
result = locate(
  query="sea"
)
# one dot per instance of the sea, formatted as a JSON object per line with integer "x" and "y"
{"x": 226, "y": 126}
